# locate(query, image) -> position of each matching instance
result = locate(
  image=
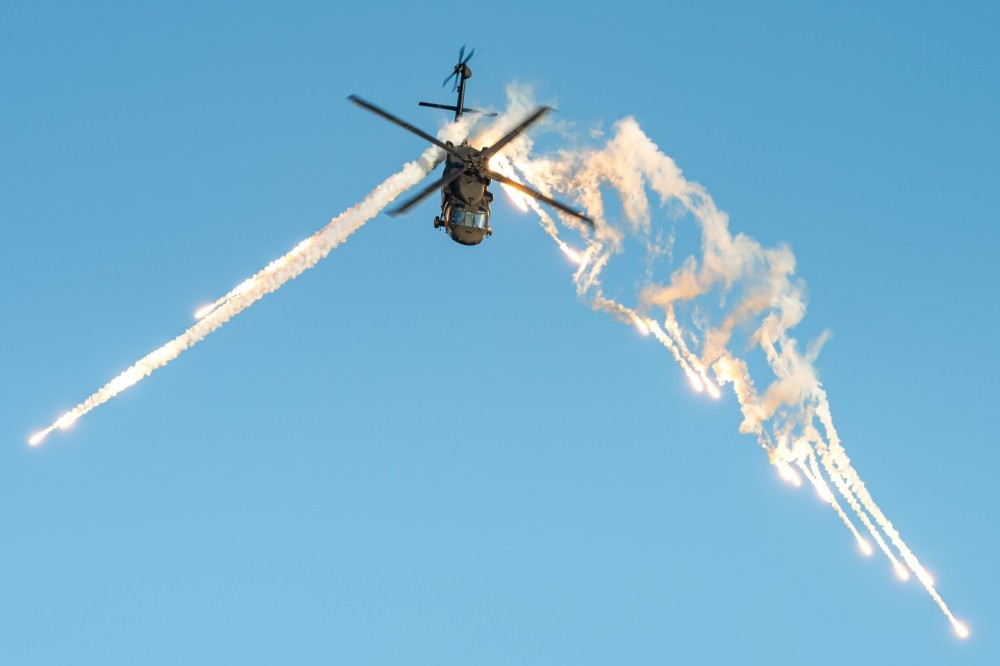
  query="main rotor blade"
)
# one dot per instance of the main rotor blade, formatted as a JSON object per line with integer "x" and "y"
{"x": 405, "y": 125}
{"x": 517, "y": 131}
{"x": 538, "y": 195}
{"x": 403, "y": 208}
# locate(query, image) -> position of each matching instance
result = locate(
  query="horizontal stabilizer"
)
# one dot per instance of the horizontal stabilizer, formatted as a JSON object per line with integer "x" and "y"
{"x": 455, "y": 108}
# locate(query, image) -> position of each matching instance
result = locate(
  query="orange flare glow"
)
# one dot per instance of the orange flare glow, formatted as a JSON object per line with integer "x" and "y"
{"x": 865, "y": 547}
{"x": 901, "y": 572}
{"x": 517, "y": 197}
{"x": 38, "y": 437}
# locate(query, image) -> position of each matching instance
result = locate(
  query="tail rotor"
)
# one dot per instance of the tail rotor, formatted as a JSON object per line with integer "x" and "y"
{"x": 461, "y": 71}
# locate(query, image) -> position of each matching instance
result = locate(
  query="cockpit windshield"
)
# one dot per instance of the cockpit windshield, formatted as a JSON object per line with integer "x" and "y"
{"x": 465, "y": 218}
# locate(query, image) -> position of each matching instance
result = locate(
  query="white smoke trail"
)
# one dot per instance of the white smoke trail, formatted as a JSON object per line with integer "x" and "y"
{"x": 814, "y": 477}
{"x": 752, "y": 287}
{"x": 668, "y": 342}
{"x": 301, "y": 258}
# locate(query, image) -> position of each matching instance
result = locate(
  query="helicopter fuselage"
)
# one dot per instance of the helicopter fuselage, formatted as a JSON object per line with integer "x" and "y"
{"x": 465, "y": 201}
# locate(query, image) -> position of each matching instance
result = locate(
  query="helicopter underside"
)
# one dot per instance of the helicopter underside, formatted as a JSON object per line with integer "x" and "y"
{"x": 466, "y": 235}
{"x": 465, "y": 204}
{"x": 464, "y": 224}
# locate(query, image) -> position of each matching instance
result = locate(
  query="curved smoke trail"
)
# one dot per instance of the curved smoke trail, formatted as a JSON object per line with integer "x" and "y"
{"x": 730, "y": 284}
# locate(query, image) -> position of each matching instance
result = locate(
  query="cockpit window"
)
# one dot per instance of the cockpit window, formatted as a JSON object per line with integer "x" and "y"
{"x": 464, "y": 218}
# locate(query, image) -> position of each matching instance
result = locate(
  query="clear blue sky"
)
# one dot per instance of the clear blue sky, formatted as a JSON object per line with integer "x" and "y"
{"x": 331, "y": 478}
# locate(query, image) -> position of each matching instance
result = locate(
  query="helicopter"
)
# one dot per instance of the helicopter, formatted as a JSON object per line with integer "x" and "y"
{"x": 465, "y": 194}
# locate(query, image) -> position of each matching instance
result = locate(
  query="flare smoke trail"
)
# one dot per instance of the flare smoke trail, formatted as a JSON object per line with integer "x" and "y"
{"x": 754, "y": 286}
{"x": 301, "y": 258}
{"x": 751, "y": 286}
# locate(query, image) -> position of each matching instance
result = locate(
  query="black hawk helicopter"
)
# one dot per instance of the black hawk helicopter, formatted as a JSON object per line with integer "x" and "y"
{"x": 465, "y": 194}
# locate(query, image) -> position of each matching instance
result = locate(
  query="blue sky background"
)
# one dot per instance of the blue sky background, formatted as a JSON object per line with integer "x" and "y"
{"x": 424, "y": 453}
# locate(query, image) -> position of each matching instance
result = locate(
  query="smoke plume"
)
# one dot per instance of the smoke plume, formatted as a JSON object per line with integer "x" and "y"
{"x": 728, "y": 285}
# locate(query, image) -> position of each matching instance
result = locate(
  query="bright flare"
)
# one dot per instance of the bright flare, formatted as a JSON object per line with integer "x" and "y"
{"x": 66, "y": 420}
{"x": 640, "y": 324}
{"x": 519, "y": 199}
{"x": 693, "y": 377}
{"x": 901, "y": 572}
{"x": 788, "y": 474}
{"x": 695, "y": 380}
{"x": 502, "y": 165}
{"x": 819, "y": 484}
{"x": 38, "y": 437}
{"x": 205, "y": 311}
{"x": 865, "y": 547}
{"x": 571, "y": 253}
{"x": 960, "y": 629}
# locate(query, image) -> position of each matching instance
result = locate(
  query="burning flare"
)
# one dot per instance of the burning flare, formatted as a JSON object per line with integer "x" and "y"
{"x": 206, "y": 310}
{"x": 960, "y": 628}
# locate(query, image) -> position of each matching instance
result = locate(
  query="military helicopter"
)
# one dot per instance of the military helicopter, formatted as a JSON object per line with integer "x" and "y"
{"x": 465, "y": 194}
